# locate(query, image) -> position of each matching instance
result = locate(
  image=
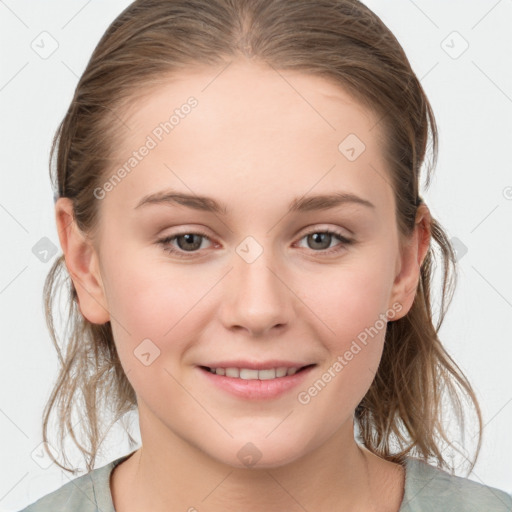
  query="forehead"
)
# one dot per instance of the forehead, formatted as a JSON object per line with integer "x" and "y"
{"x": 243, "y": 125}
{"x": 252, "y": 92}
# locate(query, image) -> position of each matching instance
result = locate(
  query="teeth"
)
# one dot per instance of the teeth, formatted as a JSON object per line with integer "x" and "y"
{"x": 232, "y": 372}
{"x": 281, "y": 371}
{"x": 267, "y": 374}
{"x": 250, "y": 374}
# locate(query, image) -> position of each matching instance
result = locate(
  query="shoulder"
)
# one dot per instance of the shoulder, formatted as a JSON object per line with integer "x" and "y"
{"x": 86, "y": 493}
{"x": 428, "y": 488}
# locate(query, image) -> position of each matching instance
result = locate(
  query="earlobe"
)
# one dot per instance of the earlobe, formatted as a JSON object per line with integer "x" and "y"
{"x": 412, "y": 255}
{"x": 82, "y": 264}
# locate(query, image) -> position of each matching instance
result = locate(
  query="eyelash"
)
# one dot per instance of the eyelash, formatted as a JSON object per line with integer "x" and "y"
{"x": 164, "y": 242}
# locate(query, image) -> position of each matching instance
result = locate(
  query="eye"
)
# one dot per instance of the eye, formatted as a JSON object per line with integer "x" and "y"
{"x": 187, "y": 242}
{"x": 320, "y": 240}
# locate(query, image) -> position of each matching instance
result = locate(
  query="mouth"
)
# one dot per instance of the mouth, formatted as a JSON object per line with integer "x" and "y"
{"x": 274, "y": 373}
{"x": 264, "y": 381}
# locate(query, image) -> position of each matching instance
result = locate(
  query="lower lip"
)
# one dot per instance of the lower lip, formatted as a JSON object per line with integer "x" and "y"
{"x": 255, "y": 389}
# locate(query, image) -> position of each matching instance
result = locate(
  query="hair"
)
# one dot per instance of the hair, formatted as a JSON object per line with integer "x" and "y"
{"x": 340, "y": 40}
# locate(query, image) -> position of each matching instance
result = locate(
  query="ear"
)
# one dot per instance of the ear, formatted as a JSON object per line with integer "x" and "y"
{"x": 82, "y": 264}
{"x": 412, "y": 253}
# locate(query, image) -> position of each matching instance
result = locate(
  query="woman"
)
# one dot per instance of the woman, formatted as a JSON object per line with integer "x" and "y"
{"x": 250, "y": 262}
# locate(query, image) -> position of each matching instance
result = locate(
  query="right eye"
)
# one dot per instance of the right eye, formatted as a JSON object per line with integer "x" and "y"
{"x": 188, "y": 243}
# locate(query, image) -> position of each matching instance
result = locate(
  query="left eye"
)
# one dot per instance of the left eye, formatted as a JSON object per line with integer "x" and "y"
{"x": 191, "y": 242}
{"x": 322, "y": 239}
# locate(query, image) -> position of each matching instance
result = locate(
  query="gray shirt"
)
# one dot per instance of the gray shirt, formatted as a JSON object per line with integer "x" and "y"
{"x": 427, "y": 489}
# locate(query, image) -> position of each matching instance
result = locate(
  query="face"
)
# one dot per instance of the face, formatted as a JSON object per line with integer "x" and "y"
{"x": 255, "y": 270}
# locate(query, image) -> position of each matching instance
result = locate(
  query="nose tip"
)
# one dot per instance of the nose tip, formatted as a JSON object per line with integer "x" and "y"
{"x": 257, "y": 300}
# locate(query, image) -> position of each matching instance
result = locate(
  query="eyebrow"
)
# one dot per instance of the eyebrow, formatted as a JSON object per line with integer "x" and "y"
{"x": 208, "y": 204}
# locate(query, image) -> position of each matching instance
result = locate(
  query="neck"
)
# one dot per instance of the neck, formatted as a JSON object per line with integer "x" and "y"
{"x": 170, "y": 474}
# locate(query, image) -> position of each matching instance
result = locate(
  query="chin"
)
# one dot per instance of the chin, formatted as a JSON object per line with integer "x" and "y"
{"x": 260, "y": 452}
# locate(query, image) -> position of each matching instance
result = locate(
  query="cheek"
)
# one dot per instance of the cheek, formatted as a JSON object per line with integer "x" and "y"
{"x": 150, "y": 298}
{"x": 354, "y": 341}
{"x": 155, "y": 315}
{"x": 352, "y": 302}
{"x": 352, "y": 297}
{"x": 157, "y": 304}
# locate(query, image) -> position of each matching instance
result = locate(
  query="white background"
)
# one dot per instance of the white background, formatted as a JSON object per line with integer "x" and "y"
{"x": 471, "y": 196}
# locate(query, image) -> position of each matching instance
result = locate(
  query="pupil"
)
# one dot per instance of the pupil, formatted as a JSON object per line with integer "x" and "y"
{"x": 316, "y": 238}
{"x": 189, "y": 237}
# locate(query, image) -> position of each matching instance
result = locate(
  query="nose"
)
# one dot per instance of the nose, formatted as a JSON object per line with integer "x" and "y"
{"x": 257, "y": 298}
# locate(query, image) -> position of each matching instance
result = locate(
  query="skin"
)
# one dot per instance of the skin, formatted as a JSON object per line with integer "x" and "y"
{"x": 254, "y": 143}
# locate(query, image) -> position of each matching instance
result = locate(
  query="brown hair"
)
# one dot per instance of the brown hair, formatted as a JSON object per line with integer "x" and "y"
{"x": 340, "y": 40}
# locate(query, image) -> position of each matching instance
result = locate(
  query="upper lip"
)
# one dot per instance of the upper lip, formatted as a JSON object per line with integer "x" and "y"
{"x": 257, "y": 365}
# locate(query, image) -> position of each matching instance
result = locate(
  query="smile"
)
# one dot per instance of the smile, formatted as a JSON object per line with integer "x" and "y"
{"x": 253, "y": 374}
{"x": 264, "y": 383}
